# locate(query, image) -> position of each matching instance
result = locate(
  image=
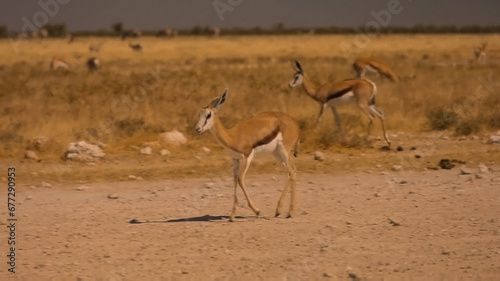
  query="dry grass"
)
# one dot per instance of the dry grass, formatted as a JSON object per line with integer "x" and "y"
{"x": 137, "y": 95}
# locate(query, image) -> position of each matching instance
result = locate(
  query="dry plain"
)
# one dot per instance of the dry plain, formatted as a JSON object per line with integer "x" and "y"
{"x": 364, "y": 213}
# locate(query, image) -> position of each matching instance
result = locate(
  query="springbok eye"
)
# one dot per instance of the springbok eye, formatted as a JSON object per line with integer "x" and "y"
{"x": 209, "y": 115}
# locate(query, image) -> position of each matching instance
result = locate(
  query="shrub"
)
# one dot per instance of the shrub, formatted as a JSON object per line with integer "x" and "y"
{"x": 441, "y": 119}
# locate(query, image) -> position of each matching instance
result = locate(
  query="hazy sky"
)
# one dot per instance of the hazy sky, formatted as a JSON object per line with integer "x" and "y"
{"x": 156, "y": 14}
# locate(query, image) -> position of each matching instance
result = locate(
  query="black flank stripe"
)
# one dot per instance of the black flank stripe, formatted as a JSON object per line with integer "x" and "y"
{"x": 267, "y": 139}
{"x": 339, "y": 94}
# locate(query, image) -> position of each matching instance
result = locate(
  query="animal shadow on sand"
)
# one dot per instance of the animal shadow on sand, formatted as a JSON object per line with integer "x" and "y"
{"x": 205, "y": 218}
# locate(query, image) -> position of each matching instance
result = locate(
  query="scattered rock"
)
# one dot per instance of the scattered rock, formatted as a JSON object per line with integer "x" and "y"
{"x": 82, "y": 188}
{"x": 155, "y": 145}
{"x": 113, "y": 196}
{"x": 146, "y": 150}
{"x": 84, "y": 152}
{"x": 41, "y": 143}
{"x": 209, "y": 185}
{"x": 394, "y": 223}
{"x": 446, "y": 164}
{"x": 399, "y": 148}
{"x": 173, "y": 138}
{"x": 465, "y": 171}
{"x": 483, "y": 169}
{"x": 319, "y": 156}
{"x": 30, "y": 154}
{"x": 45, "y": 184}
{"x": 132, "y": 177}
{"x": 396, "y": 168}
{"x": 165, "y": 152}
{"x": 205, "y": 150}
{"x": 494, "y": 138}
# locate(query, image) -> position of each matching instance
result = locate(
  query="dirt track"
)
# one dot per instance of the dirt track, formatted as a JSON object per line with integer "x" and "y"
{"x": 430, "y": 225}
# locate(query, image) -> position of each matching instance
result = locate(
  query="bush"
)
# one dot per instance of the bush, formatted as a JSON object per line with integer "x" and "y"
{"x": 441, "y": 119}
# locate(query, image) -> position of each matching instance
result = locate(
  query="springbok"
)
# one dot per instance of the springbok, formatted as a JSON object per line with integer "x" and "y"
{"x": 359, "y": 90}
{"x": 480, "y": 53}
{"x": 273, "y": 133}
{"x": 58, "y": 63}
{"x": 93, "y": 63}
{"x": 135, "y": 47}
{"x": 364, "y": 65}
{"x": 95, "y": 47}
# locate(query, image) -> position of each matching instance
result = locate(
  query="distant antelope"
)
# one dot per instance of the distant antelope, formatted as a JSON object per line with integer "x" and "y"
{"x": 95, "y": 47}
{"x": 58, "y": 63}
{"x": 167, "y": 32}
{"x": 359, "y": 90}
{"x": 363, "y": 65}
{"x": 93, "y": 64}
{"x": 273, "y": 133}
{"x": 214, "y": 32}
{"x": 480, "y": 52}
{"x": 135, "y": 47}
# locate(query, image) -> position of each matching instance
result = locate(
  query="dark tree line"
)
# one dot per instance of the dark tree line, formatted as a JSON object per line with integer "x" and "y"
{"x": 117, "y": 29}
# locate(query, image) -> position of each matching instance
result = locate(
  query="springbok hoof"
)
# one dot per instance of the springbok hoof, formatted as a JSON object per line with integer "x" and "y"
{"x": 277, "y": 214}
{"x": 257, "y": 213}
{"x": 289, "y": 216}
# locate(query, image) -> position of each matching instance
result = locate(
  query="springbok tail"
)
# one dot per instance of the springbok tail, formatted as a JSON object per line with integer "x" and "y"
{"x": 296, "y": 149}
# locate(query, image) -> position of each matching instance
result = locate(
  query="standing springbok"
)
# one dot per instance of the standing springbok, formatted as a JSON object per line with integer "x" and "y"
{"x": 359, "y": 90}
{"x": 364, "y": 65}
{"x": 136, "y": 47}
{"x": 266, "y": 132}
{"x": 480, "y": 53}
{"x": 93, "y": 64}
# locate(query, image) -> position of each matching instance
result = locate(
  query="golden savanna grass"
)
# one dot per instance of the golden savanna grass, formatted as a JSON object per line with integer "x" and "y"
{"x": 137, "y": 95}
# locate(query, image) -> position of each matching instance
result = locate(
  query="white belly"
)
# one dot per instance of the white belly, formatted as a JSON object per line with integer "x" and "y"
{"x": 371, "y": 69}
{"x": 269, "y": 147}
{"x": 345, "y": 99}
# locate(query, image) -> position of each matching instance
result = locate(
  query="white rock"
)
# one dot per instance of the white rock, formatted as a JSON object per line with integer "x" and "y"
{"x": 396, "y": 168}
{"x": 319, "y": 156}
{"x": 82, "y": 188}
{"x": 113, "y": 196}
{"x": 465, "y": 171}
{"x": 494, "y": 138}
{"x": 82, "y": 151}
{"x": 483, "y": 169}
{"x": 30, "y": 154}
{"x": 173, "y": 138}
{"x": 146, "y": 150}
{"x": 165, "y": 152}
{"x": 132, "y": 177}
{"x": 45, "y": 184}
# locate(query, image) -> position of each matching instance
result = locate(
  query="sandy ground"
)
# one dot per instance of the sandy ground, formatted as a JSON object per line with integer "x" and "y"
{"x": 358, "y": 217}
{"x": 431, "y": 225}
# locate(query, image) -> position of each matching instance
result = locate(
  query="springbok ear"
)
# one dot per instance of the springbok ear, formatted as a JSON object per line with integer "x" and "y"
{"x": 296, "y": 66}
{"x": 221, "y": 100}
{"x": 213, "y": 103}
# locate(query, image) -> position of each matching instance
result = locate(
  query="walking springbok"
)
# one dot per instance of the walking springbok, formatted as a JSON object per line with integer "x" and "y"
{"x": 480, "y": 53}
{"x": 135, "y": 47}
{"x": 359, "y": 90}
{"x": 364, "y": 65}
{"x": 58, "y": 63}
{"x": 267, "y": 132}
